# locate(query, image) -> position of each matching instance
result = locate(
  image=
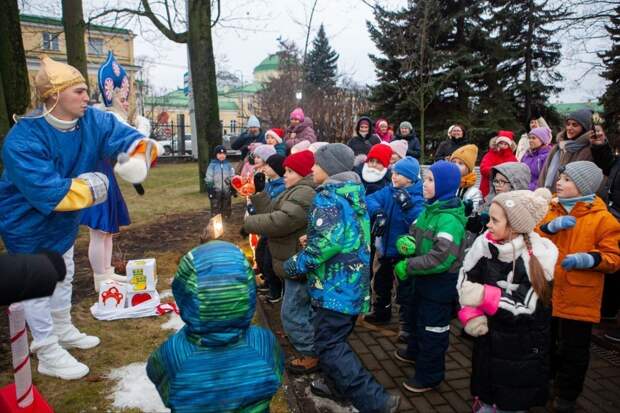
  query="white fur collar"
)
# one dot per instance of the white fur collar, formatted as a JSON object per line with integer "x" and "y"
{"x": 543, "y": 249}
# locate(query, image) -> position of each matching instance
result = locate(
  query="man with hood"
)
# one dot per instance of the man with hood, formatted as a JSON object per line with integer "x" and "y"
{"x": 363, "y": 139}
{"x": 218, "y": 362}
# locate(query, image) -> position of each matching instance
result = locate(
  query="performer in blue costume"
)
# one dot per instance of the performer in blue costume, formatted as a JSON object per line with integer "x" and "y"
{"x": 49, "y": 158}
{"x": 105, "y": 219}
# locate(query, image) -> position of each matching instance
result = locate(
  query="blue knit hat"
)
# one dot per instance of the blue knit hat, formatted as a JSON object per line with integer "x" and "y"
{"x": 447, "y": 177}
{"x": 409, "y": 168}
{"x": 215, "y": 290}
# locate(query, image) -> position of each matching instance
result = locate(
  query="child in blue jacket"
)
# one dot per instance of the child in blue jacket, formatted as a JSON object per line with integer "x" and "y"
{"x": 393, "y": 209}
{"x": 218, "y": 176}
{"x": 218, "y": 362}
{"x": 336, "y": 261}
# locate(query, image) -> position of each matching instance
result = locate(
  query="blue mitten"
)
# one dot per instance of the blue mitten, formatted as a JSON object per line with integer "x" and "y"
{"x": 580, "y": 260}
{"x": 560, "y": 223}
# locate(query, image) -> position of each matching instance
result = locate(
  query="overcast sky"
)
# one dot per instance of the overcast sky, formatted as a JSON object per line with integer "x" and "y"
{"x": 266, "y": 20}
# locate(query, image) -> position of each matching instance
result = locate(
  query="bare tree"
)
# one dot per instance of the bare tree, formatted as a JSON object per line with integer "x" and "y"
{"x": 167, "y": 17}
{"x": 333, "y": 112}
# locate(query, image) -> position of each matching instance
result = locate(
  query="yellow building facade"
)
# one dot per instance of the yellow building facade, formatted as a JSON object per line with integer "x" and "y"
{"x": 45, "y": 35}
{"x": 236, "y": 104}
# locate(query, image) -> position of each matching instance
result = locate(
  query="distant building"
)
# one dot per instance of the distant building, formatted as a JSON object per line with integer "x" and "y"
{"x": 45, "y": 35}
{"x": 566, "y": 108}
{"x": 236, "y": 104}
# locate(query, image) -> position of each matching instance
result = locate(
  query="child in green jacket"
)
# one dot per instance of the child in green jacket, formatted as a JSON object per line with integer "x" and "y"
{"x": 438, "y": 236}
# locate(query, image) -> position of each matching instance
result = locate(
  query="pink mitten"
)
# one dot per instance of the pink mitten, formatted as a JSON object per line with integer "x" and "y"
{"x": 490, "y": 301}
{"x": 467, "y": 313}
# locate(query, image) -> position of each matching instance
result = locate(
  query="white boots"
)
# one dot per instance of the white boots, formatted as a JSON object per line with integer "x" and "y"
{"x": 54, "y": 360}
{"x": 109, "y": 275}
{"x": 68, "y": 335}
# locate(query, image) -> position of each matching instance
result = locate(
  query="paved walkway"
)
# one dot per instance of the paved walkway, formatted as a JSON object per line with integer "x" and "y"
{"x": 375, "y": 347}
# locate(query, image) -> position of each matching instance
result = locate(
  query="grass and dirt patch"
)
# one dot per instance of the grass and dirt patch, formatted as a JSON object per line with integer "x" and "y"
{"x": 166, "y": 223}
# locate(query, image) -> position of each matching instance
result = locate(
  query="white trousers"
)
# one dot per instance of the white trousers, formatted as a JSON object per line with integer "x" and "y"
{"x": 39, "y": 310}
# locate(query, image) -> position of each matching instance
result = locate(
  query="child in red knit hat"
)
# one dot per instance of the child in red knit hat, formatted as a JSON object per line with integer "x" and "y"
{"x": 374, "y": 172}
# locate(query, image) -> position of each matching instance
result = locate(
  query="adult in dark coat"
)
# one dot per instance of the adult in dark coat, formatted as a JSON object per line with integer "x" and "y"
{"x": 406, "y": 132}
{"x": 252, "y": 134}
{"x": 363, "y": 139}
{"x": 456, "y": 139}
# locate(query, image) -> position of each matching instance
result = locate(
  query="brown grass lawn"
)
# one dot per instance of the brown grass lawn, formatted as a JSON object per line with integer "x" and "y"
{"x": 166, "y": 223}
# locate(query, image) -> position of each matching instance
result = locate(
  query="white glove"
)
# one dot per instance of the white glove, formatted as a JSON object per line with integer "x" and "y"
{"x": 477, "y": 326}
{"x": 98, "y": 184}
{"x": 471, "y": 294}
{"x": 132, "y": 169}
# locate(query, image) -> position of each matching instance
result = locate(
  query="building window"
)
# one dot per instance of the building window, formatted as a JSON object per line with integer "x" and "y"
{"x": 233, "y": 126}
{"x": 95, "y": 46}
{"x": 50, "y": 41}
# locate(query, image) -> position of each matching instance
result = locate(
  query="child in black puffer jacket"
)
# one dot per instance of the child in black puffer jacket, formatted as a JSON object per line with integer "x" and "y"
{"x": 504, "y": 292}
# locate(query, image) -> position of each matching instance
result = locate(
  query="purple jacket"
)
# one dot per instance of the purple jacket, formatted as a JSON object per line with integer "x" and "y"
{"x": 535, "y": 159}
{"x": 303, "y": 132}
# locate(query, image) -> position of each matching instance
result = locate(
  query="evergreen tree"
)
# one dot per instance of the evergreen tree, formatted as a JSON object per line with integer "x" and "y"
{"x": 525, "y": 53}
{"x": 430, "y": 68}
{"x": 321, "y": 63}
{"x": 611, "y": 97}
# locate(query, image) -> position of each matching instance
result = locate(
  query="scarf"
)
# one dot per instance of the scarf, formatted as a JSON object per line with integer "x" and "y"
{"x": 468, "y": 180}
{"x": 569, "y": 203}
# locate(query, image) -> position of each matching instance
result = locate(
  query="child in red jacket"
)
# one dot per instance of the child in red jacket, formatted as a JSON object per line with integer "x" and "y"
{"x": 501, "y": 149}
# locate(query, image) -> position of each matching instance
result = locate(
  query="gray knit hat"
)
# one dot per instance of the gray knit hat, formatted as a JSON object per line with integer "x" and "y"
{"x": 334, "y": 158}
{"x": 524, "y": 209}
{"x": 583, "y": 117}
{"x": 586, "y": 176}
{"x": 406, "y": 124}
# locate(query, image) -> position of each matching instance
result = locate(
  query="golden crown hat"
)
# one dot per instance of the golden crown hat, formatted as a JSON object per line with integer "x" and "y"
{"x": 54, "y": 77}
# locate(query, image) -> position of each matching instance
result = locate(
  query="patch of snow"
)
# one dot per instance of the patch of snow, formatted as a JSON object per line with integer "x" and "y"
{"x": 174, "y": 322}
{"x": 330, "y": 405}
{"x": 165, "y": 294}
{"x": 134, "y": 390}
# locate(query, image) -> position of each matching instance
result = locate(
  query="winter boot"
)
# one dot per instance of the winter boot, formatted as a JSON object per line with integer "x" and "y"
{"x": 303, "y": 365}
{"x": 55, "y": 361}
{"x": 68, "y": 335}
{"x": 108, "y": 275}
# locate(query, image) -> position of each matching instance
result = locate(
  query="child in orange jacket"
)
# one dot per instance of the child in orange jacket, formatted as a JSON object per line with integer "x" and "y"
{"x": 587, "y": 237}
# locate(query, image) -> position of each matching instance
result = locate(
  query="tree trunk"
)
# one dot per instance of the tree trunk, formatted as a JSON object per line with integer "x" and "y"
{"x": 204, "y": 86}
{"x": 528, "y": 66}
{"x": 422, "y": 146}
{"x": 13, "y": 69}
{"x": 73, "y": 21}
